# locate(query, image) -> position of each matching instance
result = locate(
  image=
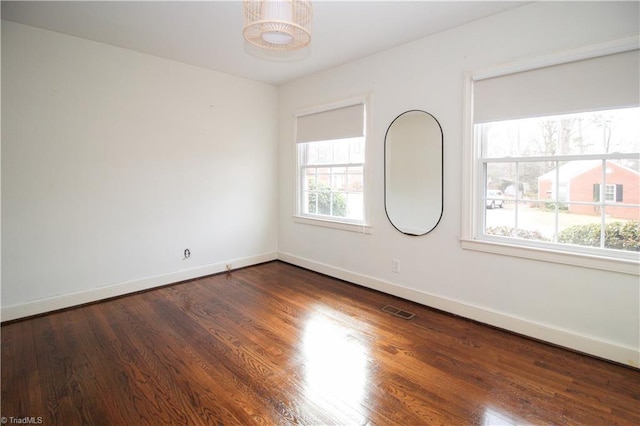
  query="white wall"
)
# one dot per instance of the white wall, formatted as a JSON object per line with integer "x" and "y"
{"x": 114, "y": 162}
{"x": 586, "y": 309}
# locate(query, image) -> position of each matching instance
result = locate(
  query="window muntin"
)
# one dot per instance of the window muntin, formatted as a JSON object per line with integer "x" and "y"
{"x": 566, "y": 180}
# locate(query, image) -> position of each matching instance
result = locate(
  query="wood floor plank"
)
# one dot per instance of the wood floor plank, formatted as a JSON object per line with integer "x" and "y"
{"x": 277, "y": 344}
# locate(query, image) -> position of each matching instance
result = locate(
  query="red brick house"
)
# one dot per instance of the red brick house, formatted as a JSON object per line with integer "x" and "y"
{"x": 579, "y": 181}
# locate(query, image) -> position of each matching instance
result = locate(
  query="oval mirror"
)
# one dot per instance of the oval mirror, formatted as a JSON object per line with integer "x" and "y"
{"x": 414, "y": 172}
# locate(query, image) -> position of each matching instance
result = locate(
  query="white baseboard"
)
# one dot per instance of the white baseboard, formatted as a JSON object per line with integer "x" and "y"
{"x": 49, "y": 304}
{"x": 599, "y": 348}
{"x": 602, "y": 349}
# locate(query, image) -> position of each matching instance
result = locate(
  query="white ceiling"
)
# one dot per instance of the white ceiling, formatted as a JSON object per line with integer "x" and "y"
{"x": 209, "y": 33}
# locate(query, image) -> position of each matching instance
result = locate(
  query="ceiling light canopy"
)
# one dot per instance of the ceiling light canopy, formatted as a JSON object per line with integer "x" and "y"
{"x": 278, "y": 24}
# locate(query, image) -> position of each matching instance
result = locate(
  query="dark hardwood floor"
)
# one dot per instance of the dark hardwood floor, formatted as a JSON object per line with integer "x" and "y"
{"x": 276, "y": 344}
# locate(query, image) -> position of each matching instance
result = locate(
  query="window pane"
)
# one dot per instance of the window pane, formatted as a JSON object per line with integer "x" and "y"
{"x": 586, "y": 231}
{"x": 311, "y": 153}
{"x": 631, "y": 164}
{"x": 529, "y": 174}
{"x": 324, "y": 202}
{"x": 500, "y": 176}
{"x": 310, "y": 179}
{"x": 520, "y": 220}
{"x": 623, "y": 235}
{"x": 598, "y": 132}
{"x": 581, "y": 232}
{"x": 325, "y": 153}
{"x": 356, "y": 151}
{"x": 623, "y": 213}
{"x": 340, "y": 151}
{"x": 309, "y": 204}
{"x": 355, "y": 179}
{"x": 339, "y": 179}
{"x": 338, "y": 204}
{"x": 622, "y": 185}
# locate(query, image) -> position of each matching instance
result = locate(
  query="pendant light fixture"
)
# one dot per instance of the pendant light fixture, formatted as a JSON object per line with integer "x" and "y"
{"x": 280, "y": 25}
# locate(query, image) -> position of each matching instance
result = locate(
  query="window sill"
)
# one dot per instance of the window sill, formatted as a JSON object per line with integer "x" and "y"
{"x": 623, "y": 266}
{"x": 344, "y": 226}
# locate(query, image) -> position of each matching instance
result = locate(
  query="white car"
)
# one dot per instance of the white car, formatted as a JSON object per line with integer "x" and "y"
{"x": 495, "y": 199}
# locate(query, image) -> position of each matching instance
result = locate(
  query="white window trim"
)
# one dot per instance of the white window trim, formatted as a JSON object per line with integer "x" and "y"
{"x": 472, "y": 191}
{"x": 364, "y": 226}
{"x": 334, "y": 224}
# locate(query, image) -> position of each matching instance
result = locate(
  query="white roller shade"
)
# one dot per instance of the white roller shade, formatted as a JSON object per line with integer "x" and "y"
{"x": 340, "y": 123}
{"x": 605, "y": 82}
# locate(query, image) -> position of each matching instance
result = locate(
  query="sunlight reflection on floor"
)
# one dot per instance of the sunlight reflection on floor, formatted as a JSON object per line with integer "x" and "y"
{"x": 335, "y": 368}
{"x": 496, "y": 418}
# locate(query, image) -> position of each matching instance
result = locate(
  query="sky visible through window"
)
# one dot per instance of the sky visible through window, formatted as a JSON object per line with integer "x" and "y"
{"x": 569, "y": 134}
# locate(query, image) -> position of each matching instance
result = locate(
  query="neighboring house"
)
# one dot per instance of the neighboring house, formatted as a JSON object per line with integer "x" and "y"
{"x": 579, "y": 181}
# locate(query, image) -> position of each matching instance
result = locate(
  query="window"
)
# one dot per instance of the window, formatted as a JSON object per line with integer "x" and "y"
{"x": 332, "y": 178}
{"x": 331, "y": 165}
{"x": 610, "y": 193}
{"x": 554, "y": 161}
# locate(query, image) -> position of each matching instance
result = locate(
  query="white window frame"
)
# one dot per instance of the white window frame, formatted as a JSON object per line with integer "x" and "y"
{"x": 473, "y": 187}
{"x": 363, "y": 226}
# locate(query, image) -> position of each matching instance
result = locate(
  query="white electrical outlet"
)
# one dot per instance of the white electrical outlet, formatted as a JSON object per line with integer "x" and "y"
{"x": 395, "y": 266}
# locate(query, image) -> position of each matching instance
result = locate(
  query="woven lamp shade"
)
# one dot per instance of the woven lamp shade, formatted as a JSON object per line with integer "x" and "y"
{"x": 278, "y": 24}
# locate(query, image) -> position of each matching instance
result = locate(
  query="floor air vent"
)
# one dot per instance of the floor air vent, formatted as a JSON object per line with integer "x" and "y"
{"x": 398, "y": 312}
